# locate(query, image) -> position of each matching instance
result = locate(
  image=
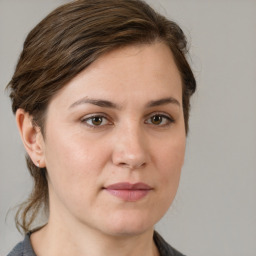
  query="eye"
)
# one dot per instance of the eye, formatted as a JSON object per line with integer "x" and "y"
{"x": 96, "y": 120}
{"x": 156, "y": 120}
{"x": 159, "y": 120}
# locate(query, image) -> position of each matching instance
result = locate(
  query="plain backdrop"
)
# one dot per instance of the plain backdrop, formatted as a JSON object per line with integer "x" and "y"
{"x": 214, "y": 213}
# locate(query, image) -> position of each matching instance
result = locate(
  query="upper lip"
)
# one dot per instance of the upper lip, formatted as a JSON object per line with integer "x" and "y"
{"x": 129, "y": 186}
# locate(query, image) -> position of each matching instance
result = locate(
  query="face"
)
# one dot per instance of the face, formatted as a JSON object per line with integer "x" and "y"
{"x": 115, "y": 140}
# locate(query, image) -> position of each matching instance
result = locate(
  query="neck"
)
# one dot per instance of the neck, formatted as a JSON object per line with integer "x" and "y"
{"x": 54, "y": 239}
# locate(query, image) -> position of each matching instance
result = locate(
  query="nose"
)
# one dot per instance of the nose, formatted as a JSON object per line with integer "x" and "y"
{"x": 130, "y": 149}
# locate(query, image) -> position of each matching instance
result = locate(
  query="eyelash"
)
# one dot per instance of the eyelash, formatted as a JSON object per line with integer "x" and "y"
{"x": 168, "y": 119}
{"x": 164, "y": 117}
{"x": 93, "y": 126}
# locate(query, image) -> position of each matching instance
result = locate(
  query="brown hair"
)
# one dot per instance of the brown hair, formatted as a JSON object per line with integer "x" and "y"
{"x": 67, "y": 41}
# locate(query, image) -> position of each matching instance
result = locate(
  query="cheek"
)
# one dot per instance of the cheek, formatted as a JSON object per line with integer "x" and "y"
{"x": 70, "y": 147}
{"x": 72, "y": 162}
{"x": 73, "y": 172}
{"x": 170, "y": 161}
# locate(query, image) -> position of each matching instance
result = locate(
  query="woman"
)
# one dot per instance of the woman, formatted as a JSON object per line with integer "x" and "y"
{"x": 101, "y": 96}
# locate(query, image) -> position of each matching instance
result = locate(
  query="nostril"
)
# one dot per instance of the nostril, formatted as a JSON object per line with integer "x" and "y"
{"x": 125, "y": 165}
{"x": 129, "y": 155}
{"x": 132, "y": 166}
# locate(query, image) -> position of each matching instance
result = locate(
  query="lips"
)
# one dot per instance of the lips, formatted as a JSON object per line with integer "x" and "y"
{"x": 129, "y": 192}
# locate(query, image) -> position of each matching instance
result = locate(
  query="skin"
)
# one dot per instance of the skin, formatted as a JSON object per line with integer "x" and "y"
{"x": 138, "y": 137}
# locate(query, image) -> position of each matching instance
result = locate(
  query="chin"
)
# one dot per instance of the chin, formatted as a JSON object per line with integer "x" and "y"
{"x": 129, "y": 224}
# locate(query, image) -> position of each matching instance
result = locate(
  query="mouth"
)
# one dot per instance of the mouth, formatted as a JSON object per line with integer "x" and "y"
{"x": 129, "y": 192}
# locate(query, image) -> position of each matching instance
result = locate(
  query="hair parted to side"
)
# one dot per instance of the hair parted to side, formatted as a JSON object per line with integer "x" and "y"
{"x": 67, "y": 41}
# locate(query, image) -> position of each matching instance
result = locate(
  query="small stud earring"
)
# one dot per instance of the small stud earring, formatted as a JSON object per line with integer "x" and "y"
{"x": 38, "y": 163}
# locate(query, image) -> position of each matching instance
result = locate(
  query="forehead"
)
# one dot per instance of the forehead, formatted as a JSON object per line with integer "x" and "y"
{"x": 142, "y": 71}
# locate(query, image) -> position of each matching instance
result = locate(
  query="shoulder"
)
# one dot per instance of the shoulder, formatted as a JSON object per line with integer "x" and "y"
{"x": 164, "y": 248}
{"x": 23, "y": 248}
{"x": 17, "y": 250}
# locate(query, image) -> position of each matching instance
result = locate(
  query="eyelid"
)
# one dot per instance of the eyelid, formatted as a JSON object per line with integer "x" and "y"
{"x": 169, "y": 118}
{"x": 91, "y": 116}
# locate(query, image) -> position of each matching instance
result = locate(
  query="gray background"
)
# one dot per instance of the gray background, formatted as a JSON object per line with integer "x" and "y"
{"x": 214, "y": 213}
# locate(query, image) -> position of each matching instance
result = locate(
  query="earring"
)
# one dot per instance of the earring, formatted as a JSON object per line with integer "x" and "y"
{"x": 38, "y": 163}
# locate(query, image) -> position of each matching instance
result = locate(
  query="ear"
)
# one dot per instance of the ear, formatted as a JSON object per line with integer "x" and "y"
{"x": 32, "y": 137}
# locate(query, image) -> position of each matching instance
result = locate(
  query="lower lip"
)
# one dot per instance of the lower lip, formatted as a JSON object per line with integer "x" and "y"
{"x": 129, "y": 195}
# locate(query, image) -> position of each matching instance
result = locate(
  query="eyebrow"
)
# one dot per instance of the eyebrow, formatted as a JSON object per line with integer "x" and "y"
{"x": 109, "y": 104}
{"x": 164, "y": 101}
{"x": 97, "y": 102}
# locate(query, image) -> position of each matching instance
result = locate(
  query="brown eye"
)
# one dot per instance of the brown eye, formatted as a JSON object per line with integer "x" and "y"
{"x": 160, "y": 120}
{"x": 156, "y": 120}
{"x": 97, "y": 120}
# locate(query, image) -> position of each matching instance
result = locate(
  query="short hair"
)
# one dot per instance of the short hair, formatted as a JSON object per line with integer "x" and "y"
{"x": 66, "y": 42}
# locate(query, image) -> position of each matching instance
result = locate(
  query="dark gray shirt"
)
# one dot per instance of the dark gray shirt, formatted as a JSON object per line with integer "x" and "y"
{"x": 24, "y": 248}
